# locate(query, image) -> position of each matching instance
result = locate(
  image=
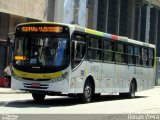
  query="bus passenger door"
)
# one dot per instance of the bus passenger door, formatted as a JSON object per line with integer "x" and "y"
{"x": 78, "y": 63}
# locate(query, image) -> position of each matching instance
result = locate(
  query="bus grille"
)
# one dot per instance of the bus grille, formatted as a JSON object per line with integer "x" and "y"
{"x": 36, "y": 79}
{"x": 40, "y": 86}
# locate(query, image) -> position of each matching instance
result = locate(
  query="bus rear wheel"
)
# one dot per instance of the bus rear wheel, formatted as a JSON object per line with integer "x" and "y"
{"x": 132, "y": 90}
{"x": 87, "y": 92}
{"x": 38, "y": 97}
{"x": 131, "y": 93}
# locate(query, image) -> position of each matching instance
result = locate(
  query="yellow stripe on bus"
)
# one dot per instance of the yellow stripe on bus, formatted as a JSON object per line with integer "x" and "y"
{"x": 37, "y": 75}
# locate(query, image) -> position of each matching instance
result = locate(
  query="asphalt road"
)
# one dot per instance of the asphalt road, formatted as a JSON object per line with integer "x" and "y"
{"x": 146, "y": 102}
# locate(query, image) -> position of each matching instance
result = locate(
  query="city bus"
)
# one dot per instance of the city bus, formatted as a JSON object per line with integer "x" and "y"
{"x": 63, "y": 59}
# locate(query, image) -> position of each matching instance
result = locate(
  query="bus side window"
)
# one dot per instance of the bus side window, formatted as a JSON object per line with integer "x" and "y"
{"x": 151, "y": 57}
{"x": 95, "y": 49}
{"x": 120, "y": 56}
{"x": 108, "y": 50}
{"x": 78, "y": 49}
{"x": 145, "y": 56}
{"x": 130, "y": 54}
{"x": 137, "y": 55}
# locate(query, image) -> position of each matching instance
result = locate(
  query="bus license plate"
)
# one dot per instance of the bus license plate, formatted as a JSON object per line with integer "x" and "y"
{"x": 35, "y": 85}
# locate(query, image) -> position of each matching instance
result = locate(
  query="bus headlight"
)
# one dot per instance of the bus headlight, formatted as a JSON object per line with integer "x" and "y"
{"x": 16, "y": 77}
{"x": 65, "y": 75}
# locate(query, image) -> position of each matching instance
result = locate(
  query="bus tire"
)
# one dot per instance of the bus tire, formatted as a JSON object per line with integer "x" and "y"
{"x": 132, "y": 90}
{"x": 87, "y": 92}
{"x": 131, "y": 93}
{"x": 38, "y": 97}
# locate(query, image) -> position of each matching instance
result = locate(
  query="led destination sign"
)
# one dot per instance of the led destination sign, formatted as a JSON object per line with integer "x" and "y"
{"x": 41, "y": 29}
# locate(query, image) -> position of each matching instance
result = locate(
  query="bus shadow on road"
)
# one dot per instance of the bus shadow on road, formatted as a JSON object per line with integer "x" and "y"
{"x": 63, "y": 101}
{"x": 114, "y": 98}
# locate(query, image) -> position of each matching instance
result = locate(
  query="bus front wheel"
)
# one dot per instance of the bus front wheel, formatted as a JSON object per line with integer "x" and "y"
{"x": 87, "y": 92}
{"x": 38, "y": 97}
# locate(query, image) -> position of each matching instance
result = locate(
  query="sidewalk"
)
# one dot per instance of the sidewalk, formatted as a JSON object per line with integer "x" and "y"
{"x": 10, "y": 91}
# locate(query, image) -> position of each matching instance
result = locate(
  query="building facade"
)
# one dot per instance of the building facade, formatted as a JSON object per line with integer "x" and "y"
{"x": 13, "y": 12}
{"x": 136, "y": 19}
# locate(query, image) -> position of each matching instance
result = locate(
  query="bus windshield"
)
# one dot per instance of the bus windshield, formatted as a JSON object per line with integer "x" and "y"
{"x": 50, "y": 51}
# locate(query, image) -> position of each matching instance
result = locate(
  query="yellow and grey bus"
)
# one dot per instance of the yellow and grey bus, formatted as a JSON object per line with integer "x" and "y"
{"x": 55, "y": 59}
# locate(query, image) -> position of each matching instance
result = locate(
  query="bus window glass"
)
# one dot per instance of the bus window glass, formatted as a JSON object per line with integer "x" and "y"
{"x": 108, "y": 50}
{"x": 120, "y": 47}
{"x": 137, "y": 56}
{"x": 151, "y": 57}
{"x": 78, "y": 49}
{"x": 93, "y": 43}
{"x": 94, "y": 54}
{"x": 94, "y": 51}
{"x": 145, "y": 56}
{"x": 120, "y": 53}
{"x": 130, "y": 55}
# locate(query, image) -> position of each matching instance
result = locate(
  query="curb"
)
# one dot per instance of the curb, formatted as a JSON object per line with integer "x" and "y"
{"x": 10, "y": 91}
{"x": 13, "y": 92}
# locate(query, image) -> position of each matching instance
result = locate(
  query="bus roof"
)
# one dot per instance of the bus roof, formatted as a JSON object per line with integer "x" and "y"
{"x": 94, "y": 32}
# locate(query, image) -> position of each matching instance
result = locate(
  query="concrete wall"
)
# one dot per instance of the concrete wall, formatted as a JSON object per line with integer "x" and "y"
{"x": 69, "y": 11}
{"x": 59, "y": 10}
{"x": 28, "y": 8}
{"x": 14, "y": 20}
{"x": 4, "y": 25}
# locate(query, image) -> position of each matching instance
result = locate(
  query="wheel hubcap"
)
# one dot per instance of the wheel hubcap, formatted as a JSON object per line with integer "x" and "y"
{"x": 87, "y": 92}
